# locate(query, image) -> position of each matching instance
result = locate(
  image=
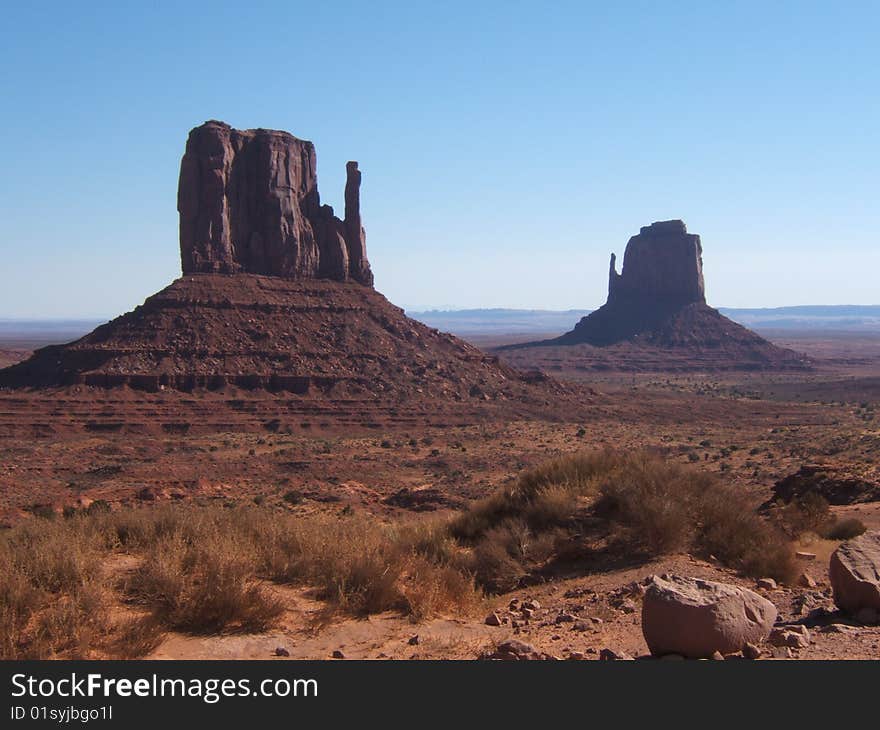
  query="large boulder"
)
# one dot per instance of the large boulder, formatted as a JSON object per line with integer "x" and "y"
{"x": 695, "y": 618}
{"x": 855, "y": 573}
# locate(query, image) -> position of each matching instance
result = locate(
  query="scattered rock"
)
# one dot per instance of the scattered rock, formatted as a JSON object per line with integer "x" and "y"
{"x": 805, "y": 556}
{"x": 695, "y": 617}
{"x": 413, "y": 640}
{"x": 751, "y": 651}
{"x": 577, "y": 656}
{"x": 493, "y": 619}
{"x": 781, "y": 652}
{"x": 807, "y": 581}
{"x": 514, "y": 650}
{"x": 718, "y": 656}
{"x": 338, "y": 654}
{"x": 565, "y": 617}
{"x": 768, "y": 584}
{"x": 809, "y": 603}
{"x": 855, "y": 573}
{"x": 609, "y": 655}
{"x": 787, "y": 636}
{"x": 531, "y": 605}
{"x": 838, "y": 629}
{"x": 281, "y": 651}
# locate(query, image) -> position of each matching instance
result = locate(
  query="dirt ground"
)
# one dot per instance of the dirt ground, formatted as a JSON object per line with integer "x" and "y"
{"x": 752, "y": 429}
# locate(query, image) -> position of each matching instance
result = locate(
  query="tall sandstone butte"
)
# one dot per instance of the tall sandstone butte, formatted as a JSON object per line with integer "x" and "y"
{"x": 656, "y": 312}
{"x": 249, "y": 203}
{"x": 662, "y": 264}
{"x": 277, "y": 295}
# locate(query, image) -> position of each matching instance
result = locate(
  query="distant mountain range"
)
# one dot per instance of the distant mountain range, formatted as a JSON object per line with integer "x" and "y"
{"x": 466, "y": 322}
{"x": 39, "y": 332}
{"x": 470, "y": 322}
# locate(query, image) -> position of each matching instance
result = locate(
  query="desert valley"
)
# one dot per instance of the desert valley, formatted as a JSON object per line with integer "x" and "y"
{"x": 267, "y": 459}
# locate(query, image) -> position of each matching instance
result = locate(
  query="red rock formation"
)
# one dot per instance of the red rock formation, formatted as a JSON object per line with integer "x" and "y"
{"x": 656, "y": 311}
{"x": 249, "y": 203}
{"x": 662, "y": 263}
{"x": 271, "y": 298}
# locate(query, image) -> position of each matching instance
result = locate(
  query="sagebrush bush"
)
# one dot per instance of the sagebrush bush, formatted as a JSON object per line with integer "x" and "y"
{"x": 634, "y": 500}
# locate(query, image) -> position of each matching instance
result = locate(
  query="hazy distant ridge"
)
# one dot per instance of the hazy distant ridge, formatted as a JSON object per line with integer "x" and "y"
{"x": 516, "y": 321}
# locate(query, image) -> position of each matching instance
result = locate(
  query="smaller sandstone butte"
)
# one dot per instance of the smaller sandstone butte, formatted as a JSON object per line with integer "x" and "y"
{"x": 662, "y": 266}
{"x": 249, "y": 203}
{"x": 656, "y": 313}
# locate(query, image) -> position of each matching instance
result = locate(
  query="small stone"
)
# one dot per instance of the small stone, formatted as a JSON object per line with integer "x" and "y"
{"x": 281, "y": 651}
{"x": 565, "y": 617}
{"x": 768, "y": 584}
{"x": 628, "y": 606}
{"x": 531, "y": 605}
{"x": 785, "y": 637}
{"x": 528, "y": 613}
{"x": 751, "y": 651}
{"x": 807, "y": 581}
{"x": 577, "y": 656}
{"x": 514, "y": 604}
{"x": 581, "y": 626}
{"x": 838, "y": 629}
{"x": 413, "y": 640}
{"x": 781, "y": 652}
{"x": 493, "y": 619}
{"x": 337, "y": 654}
{"x": 515, "y": 650}
{"x": 596, "y": 620}
{"x": 609, "y": 655}
{"x": 718, "y": 656}
{"x": 805, "y": 556}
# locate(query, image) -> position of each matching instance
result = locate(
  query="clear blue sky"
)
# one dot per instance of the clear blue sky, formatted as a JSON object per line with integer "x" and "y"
{"x": 507, "y": 148}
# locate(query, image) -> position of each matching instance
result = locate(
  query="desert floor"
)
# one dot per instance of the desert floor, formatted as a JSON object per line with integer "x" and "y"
{"x": 752, "y": 429}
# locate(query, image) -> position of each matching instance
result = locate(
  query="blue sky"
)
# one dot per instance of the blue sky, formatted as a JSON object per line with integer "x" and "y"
{"x": 507, "y": 148}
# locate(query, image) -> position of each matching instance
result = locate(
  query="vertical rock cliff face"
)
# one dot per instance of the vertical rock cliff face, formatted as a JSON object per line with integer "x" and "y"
{"x": 249, "y": 203}
{"x": 663, "y": 263}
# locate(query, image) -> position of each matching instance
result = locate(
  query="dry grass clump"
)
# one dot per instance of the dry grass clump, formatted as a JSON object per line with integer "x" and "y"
{"x": 630, "y": 503}
{"x": 51, "y": 590}
{"x": 203, "y": 581}
{"x": 204, "y": 570}
{"x": 811, "y": 514}
{"x": 362, "y": 567}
